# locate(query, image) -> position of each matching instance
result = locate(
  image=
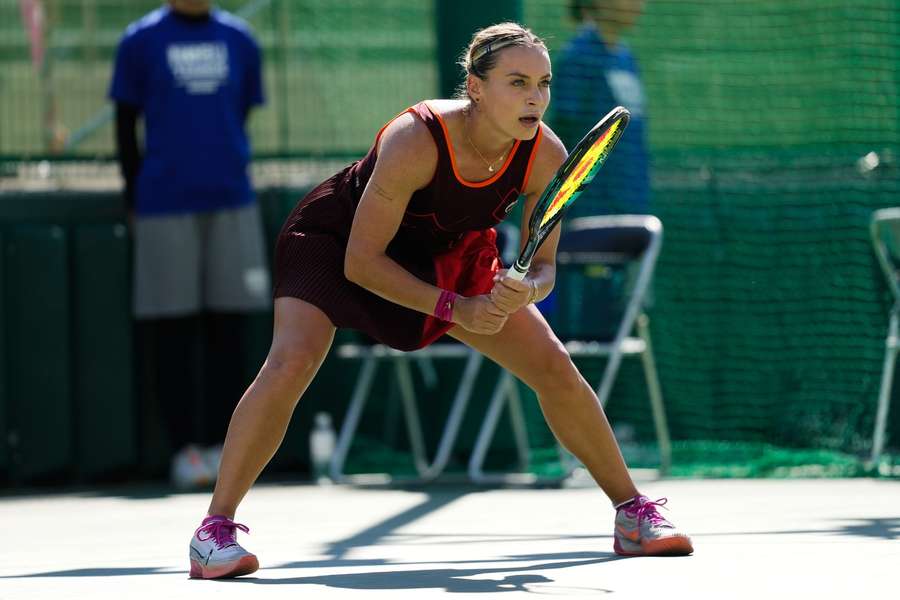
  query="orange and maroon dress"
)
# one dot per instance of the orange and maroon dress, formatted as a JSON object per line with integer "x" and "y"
{"x": 446, "y": 238}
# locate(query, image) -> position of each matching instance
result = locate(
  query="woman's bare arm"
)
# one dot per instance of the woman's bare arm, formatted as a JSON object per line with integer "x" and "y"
{"x": 508, "y": 293}
{"x": 407, "y": 158}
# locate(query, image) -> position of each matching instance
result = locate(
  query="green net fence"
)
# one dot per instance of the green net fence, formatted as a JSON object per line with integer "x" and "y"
{"x": 773, "y": 129}
{"x": 770, "y": 314}
{"x": 333, "y": 72}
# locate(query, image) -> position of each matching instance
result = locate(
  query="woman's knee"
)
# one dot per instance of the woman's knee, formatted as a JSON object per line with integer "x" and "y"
{"x": 296, "y": 364}
{"x": 558, "y": 375}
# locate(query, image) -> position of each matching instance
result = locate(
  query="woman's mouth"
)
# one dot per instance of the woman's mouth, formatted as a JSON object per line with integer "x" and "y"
{"x": 529, "y": 121}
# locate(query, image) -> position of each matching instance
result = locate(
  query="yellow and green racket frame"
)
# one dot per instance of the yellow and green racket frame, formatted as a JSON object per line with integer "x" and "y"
{"x": 575, "y": 174}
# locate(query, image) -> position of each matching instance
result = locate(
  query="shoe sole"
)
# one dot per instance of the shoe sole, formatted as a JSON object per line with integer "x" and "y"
{"x": 243, "y": 566}
{"x": 677, "y": 545}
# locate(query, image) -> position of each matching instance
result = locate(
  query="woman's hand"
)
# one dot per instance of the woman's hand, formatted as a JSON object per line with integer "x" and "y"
{"x": 509, "y": 295}
{"x": 479, "y": 314}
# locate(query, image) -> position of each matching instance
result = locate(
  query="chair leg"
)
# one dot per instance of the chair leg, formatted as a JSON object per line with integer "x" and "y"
{"x": 507, "y": 389}
{"x": 486, "y": 434}
{"x": 351, "y": 420}
{"x": 892, "y": 345}
{"x": 413, "y": 422}
{"x": 429, "y": 373}
{"x": 455, "y": 416}
{"x": 654, "y": 391}
{"x": 520, "y": 431}
{"x": 609, "y": 374}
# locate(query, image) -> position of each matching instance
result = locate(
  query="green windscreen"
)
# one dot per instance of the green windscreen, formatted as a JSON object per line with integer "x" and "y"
{"x": 773, "y": 130}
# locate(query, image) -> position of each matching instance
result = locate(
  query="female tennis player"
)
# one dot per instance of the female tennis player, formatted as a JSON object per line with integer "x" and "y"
{"x": 400, "y": 245}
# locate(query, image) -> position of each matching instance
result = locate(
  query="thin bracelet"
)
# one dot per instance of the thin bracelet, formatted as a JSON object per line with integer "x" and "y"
{"x": 534, "y": 291}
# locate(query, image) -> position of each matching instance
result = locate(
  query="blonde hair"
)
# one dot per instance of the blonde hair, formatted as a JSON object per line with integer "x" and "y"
{"x": 482, "y": 52}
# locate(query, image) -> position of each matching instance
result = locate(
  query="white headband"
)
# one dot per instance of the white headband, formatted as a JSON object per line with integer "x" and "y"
{"x": 492, "y": 47}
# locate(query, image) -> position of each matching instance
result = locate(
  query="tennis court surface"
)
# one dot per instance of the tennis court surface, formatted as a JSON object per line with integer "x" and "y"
{"x": 753, "y": 539}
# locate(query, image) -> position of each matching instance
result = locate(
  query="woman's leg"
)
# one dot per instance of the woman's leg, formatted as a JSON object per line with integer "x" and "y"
{"x": 528, "y": 348}
{"x": 303, "y": 335}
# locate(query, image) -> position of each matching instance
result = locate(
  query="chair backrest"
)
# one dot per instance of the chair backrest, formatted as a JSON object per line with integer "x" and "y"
{"x": 615, "y": 240}
{"x": 608, "y": 239}
{"x": 885, "y": 232}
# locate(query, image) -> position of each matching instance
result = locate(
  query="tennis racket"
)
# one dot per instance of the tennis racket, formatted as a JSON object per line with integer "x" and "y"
{"x": 570, "y": 180}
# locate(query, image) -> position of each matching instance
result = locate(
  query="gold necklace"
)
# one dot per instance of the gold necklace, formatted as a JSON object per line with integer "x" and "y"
{"x": 489, "y": 165}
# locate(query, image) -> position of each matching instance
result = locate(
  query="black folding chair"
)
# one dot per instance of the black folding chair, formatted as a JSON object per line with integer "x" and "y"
{"x": 591, "y": 241}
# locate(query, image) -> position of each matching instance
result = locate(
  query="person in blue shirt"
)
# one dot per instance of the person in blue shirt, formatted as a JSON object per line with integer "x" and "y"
{"x": 593, "y": 73}
{"x": 193, "y": 73}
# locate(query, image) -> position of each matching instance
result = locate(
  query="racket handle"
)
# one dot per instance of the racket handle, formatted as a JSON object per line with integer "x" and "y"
{"x": 516, "y": 273}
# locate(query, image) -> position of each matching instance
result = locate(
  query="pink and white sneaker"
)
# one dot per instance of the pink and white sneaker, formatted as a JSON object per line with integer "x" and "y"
{"x": 215, "y": 553}
{"x": 642, "y": 531}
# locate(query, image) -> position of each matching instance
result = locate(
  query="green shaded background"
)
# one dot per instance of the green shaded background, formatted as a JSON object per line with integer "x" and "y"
{"x": 769, "y": 312}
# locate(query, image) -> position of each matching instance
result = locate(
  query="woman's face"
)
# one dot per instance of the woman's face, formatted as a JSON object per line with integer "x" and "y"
{"x": 516, "y": 92}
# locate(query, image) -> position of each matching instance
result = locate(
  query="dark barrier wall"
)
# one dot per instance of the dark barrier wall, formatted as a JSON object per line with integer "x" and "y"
{"x": 71, "y": 409}
{"x": 39, "y": 363}
{"x": 456, "y": 21}
{"x": 4, "y": 403}
{"x": 66, "y": 387}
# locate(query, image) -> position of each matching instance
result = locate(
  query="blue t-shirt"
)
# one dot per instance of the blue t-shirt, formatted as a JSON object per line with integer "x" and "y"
{"x": 195, "y": 82}
{"x": 589, "y": 80}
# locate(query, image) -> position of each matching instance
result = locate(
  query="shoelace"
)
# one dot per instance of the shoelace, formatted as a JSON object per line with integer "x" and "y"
{"x": 222, "y": 531}
{"x": 646, "y": 509}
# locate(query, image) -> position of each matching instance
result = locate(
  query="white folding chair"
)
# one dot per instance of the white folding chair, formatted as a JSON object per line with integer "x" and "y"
{"x": 371, "y": 356}
{"x": 885, "y": 231}
{"x": 601, "y": 240}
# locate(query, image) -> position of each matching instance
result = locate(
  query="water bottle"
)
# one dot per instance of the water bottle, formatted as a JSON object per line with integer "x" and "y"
{"x": 322, "y": 440}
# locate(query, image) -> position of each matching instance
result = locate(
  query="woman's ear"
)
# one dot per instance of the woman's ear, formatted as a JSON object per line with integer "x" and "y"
{"x": 473, "y": 86}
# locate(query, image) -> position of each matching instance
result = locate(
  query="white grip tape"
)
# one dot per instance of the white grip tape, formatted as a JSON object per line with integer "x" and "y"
{"x": 515, "y": 273}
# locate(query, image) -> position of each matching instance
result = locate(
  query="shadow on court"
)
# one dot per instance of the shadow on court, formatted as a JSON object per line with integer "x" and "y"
{"x": 886, "y": 529}
{"x": 371, "y": 535}
{"x": 452, "y": 580}
{"x": 342, "y": 542}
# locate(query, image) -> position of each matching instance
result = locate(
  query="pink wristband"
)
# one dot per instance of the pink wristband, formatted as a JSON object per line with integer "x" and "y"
{"x": 443, "y": 310}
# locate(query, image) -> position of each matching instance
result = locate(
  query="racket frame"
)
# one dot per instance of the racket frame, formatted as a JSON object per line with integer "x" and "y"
{"x": 537, "y": 233}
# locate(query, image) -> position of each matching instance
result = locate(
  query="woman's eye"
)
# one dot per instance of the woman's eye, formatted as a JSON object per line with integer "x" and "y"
{"x": 545, "y": 83}
{"x": 518, "y": 82}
